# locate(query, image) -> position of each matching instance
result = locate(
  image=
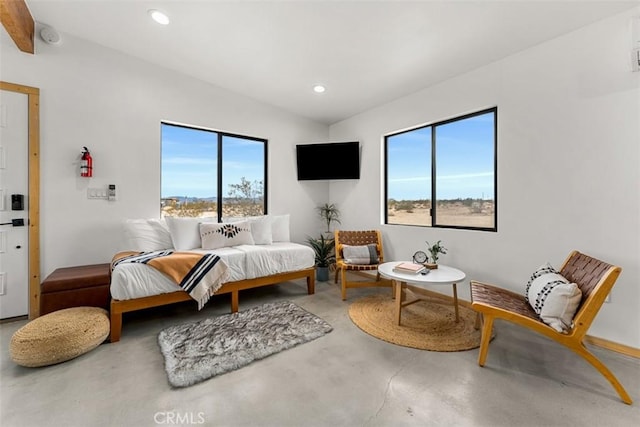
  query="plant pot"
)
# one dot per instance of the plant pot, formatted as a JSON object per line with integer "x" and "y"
{"x": 322, "y": 274}
{"x": 431, "y": 265}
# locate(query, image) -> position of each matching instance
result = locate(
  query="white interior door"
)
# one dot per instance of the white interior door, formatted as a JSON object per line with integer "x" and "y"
{"x": 14, "y": 182}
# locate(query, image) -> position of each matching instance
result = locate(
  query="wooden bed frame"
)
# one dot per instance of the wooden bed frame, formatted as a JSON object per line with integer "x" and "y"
{"x": 123, "y": 306}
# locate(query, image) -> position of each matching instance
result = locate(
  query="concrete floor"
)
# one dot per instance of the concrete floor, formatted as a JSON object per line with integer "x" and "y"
{"x": 346, "y": 378}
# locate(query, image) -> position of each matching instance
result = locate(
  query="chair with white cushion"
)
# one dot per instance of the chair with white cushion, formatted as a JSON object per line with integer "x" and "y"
{"x": 551, "y": 317}
{"x": 358, "y": 251}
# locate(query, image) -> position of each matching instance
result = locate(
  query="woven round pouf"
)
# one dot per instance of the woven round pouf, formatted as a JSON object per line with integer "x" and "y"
{"x": 59, "y": 336}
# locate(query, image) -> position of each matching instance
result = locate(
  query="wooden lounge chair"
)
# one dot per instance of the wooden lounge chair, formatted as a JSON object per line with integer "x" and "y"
{"x": 595, "y": 279}
{"x": 358, "y": 238}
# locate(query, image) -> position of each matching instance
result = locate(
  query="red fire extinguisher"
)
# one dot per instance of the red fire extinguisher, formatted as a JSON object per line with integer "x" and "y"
{"x": 86, "y": 164}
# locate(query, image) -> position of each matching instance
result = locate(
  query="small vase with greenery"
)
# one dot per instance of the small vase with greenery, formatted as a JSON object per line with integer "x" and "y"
{"x": 434, "y": 251}
{"x": 324, "y": 255}
{"x": 329, "y": 213}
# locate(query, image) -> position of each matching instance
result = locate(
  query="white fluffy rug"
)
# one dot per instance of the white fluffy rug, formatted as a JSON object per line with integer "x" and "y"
{"x": 197, "y": 351}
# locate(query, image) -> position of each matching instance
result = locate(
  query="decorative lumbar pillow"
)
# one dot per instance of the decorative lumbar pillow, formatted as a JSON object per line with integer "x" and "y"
{"x": 554, "y": 299}
{"x": 146, "y": 235}
{"x": 185, "y": 232}
{"x": 280, "y": 228}
{"x": 545, "y": 268}
{"x": 215, "y": 236}
{"x": 365, "y": 254}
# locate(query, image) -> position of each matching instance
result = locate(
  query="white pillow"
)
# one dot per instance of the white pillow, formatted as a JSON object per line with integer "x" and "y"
{"x": 280, "y": 228}
{"x": 146, "y": 235}
{"x": 555, "y": 300}
{"x": 215, "y": 236}
{"x": 185, "y": 232}
{"x": 261, "y": 230}
{"x": 227, "y": 219}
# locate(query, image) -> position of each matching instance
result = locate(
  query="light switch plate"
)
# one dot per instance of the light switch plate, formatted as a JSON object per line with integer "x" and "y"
{"x": 97, "y": 193}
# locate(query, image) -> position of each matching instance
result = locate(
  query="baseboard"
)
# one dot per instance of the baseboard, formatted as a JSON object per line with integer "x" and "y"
{"x": 14, "y": 319}
{"x": 598, "y": 342}
{"x": 613, "y": 346}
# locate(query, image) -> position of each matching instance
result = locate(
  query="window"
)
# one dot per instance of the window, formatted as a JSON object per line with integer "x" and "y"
{"x": 452, "y": 163}
{"x": 208, "y": 173}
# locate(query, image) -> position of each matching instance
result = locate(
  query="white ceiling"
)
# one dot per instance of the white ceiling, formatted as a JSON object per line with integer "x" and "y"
{"x": 366, "y": 52}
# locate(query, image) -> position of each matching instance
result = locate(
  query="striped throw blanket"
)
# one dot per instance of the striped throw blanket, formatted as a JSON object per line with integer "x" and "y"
{"x": 200, "y": 275}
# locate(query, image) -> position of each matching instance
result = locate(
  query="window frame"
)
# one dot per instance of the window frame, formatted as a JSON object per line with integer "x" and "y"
{"x": 219, "y": 173}
{"x": 433, "y": 210}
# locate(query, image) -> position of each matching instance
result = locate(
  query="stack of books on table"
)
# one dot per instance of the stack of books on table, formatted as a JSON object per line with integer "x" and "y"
{"x": 409, "y": 267}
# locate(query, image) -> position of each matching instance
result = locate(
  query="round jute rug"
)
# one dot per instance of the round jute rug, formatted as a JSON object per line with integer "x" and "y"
{"x": 428, "y": 324}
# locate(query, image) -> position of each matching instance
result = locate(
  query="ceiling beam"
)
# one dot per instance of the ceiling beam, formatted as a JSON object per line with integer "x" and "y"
{"x": 17, "y": 20}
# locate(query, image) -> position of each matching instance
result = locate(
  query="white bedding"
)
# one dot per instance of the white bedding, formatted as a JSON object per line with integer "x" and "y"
{"x": 134, "y": 280}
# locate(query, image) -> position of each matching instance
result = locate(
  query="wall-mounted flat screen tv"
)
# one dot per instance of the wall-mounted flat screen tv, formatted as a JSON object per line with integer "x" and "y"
{"x": 330, "y": 160}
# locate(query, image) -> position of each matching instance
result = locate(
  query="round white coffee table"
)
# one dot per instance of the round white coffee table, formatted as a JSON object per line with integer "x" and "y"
{"x": 443, "y": 275}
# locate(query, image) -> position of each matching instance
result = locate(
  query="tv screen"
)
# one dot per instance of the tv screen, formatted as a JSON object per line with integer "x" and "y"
{"x": 331, "y": 160}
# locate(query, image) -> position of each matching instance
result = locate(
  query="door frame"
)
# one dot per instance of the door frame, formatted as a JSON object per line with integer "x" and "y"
{"x": 33, "y": 95}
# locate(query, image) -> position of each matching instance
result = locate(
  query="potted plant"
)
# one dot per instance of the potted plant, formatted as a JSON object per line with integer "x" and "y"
{"x": 324, "y": 255}
{"x": 434, "y": 251}
{"x": 329, "y": 213}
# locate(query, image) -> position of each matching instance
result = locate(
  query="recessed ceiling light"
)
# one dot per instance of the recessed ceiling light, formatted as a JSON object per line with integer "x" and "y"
{"x": 319, "y": 89}
{"x": 159, "y": 17}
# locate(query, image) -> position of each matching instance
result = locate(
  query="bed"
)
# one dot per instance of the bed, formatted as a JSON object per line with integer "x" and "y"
{"x": 136, "y": 286}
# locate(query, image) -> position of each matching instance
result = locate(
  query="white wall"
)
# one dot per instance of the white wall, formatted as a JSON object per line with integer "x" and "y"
{"x": 113, "y": 104}
{"x": 568, "y": 165}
